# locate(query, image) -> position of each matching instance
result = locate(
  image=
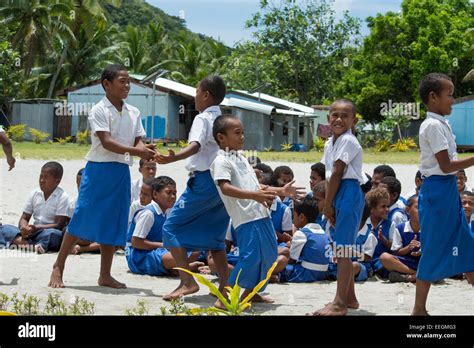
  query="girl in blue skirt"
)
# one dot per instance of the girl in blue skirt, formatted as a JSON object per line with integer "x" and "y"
{"x": 447, "y": 243}
{"x": 101, "y": 213}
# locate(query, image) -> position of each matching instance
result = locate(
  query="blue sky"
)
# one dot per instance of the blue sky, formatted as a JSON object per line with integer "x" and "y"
{"x": 225, "y": 19}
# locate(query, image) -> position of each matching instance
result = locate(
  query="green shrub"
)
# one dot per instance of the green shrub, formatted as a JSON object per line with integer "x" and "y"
{"x": 16, "y": 132}
{"x": 38, "y": 136}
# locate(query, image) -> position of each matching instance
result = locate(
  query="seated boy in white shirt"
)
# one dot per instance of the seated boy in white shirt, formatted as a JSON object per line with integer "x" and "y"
{"x": 49, "y": 207}
{"x": 144, "y": 198}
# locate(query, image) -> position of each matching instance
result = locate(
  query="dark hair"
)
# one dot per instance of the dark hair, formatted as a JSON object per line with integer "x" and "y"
{"x": 385, "y": 171}
{"x": 431, "y": 83}
{"x": 55, "y": 168}
{"x": 411, "y": 200}
{"x": 347, "y": 101}
{"x": 308, "y": 207}
{"x": 319, "y": 168}
{"x": 282, "y": 170}
{"x": 215, "y": 85}
{"x": 160, "y": 182}
{"x": 373, "y": 197}
{"x": 220, "y": 125}
{"x": 265, "y": 168}
{"x": 467, "y": 193}
{"x": 79, "y": 173}
{"x": 462, "y": 171}
{"x": 320, "y": 187}
{"x": 418, "y": 175}
{"x": 142, "y": 162}
{"x": 368, "y": 185}
{"x": 111, "y": 72}
{"x": 393, "y": 184}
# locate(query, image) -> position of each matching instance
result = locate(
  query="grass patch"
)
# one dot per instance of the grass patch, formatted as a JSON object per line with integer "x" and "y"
{"x": 56, "y": 151}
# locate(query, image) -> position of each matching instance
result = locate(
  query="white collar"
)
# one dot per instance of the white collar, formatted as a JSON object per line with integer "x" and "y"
{"x": 157, "y": 208}
{"x": 332, "y": 142}
{"x": 430, "y": 114}
{"x": 397, "y": 204}
{"x": 212, "y": 109}
{"x": 108, "y": 104}
{"x": 408, "y": 227}
{"x": 315, "y": 228}
{"x": 53, "y": 194}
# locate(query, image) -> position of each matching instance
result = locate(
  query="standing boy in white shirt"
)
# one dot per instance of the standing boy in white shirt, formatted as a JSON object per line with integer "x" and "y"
{"x": 344, "y": 200}
{"x": 247, "y": 203}
{"x": 198, "y": 220}
{"x": 101, "y": 213}
{"x": 447, "y": 243}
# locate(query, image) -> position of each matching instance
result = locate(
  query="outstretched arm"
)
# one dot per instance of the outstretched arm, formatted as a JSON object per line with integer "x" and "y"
{"x": 140, "y": 149}
{"x": 188, "y": 151}
{"x": 264, "y": 197}
{"x": 449, "y": 166}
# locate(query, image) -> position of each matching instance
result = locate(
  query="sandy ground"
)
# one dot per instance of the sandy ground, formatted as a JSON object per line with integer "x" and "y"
{"x": 29, "y": 273}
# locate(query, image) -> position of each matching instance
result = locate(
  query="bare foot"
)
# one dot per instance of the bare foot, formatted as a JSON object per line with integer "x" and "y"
{"x": 110, "y": 282}
{"x": 194, "y": 266}
{"x": 354, "y": 304}
{"x": 218, "y": 303}
{"x": 56, "y": 278}
{"x": 260, "y": 299}
{"x": 331, "y": 309}
{"x": 76, "y": 250}
{"x": 419, "y": 312}
{"x": 182, "y": 290}
{"x": 39, "y": 249}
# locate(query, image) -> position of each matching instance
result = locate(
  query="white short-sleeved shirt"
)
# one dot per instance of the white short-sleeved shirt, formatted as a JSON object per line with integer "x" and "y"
{"x": 144, "y": 221}
{"x": 123, "y": 129}
{"x": 235, "y": 168}
{"x": 201, "y": 132}
{"x": 347, "y": 149}
{"x": 44, "y": 212}
{"x": 368, "y": 248}
{"x": 436, "y": 135}
{"x": 136, "y": 188}
{"x": 299, "y": 240}
{"x": 397, "y": 242}
{"x": 134, "y": 207}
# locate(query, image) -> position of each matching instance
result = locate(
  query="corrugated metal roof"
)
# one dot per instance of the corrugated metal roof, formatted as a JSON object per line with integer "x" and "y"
{"x": 290, "y": 105}
{"x": 248, "y": 105}
{"x": 176, "y": 87}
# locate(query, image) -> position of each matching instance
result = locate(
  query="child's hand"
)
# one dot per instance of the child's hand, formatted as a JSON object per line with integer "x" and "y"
{"x": 264, "y": 197}
{"x": 26, "y": 231}
{"x": 286, "y": 238}
{"x": 292, "y": 191}
{"x": 258, "y": 173}
{"x": 162, "y": 159}
{"x": 416, "y": 253}
{"x": 380, "y": 236}
{"x": 11, "y": 162}
{"x": 329, "y": 213}
{"x": 288, "y": 244}
{"x": 414, "y": 244}
{"x": 146, "y": 152}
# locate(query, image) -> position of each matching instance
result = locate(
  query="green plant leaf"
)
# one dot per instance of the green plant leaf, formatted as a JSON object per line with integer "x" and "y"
{"x": 259, "y": 286}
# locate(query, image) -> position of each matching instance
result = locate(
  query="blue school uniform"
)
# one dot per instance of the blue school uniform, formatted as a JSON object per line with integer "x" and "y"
{"x": 101, "y": 213}
{"x": 7, "y": 234}
{"x": 278, "y": 212}
{"x": 198, "y": 220}
{"x": 311, "y": 249}
{"x": 147, "y": 261}
{"x": 233, "y": 254}
{"x": 388, "y": 229}
{"x": 447, "y": 242}
{"x": 257, "y": 252}
{"x": 407, "y": 234}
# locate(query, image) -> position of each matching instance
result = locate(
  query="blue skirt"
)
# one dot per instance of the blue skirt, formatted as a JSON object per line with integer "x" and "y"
{"x": 348, "y": 206}
{"x": 198, "y": 220}
{"x": 296, "y": 273}
{"x": 101, "y": 213}
{"x": 257, "y": 252}
{"x": 148, "y": 262}
{"x": 409, "y": 262}
{"x": 447, "y": 242}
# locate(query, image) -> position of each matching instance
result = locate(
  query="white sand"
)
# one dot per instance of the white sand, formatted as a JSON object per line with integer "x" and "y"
{"x": 30, "y": 273}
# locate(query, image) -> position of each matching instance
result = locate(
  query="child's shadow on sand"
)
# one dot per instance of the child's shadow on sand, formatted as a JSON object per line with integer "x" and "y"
{"x": 205, "y": 301}
{"x": 108, "y": 290}
{"x": 14, "y": 281}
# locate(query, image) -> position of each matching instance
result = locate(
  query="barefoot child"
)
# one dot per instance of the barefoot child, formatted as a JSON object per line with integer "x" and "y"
{"x": 104, "y": 198}
{"x": 403, "y": 264}
{"x": 447, "y": 241}
{"x": 198, "y": 221}
{"x": 145, "y": 253}
{"x": 48, "y": 205}
{"x": 310, "y": 247}
{"x": 344, "y": 199}
{"x": 247, "y": 204}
